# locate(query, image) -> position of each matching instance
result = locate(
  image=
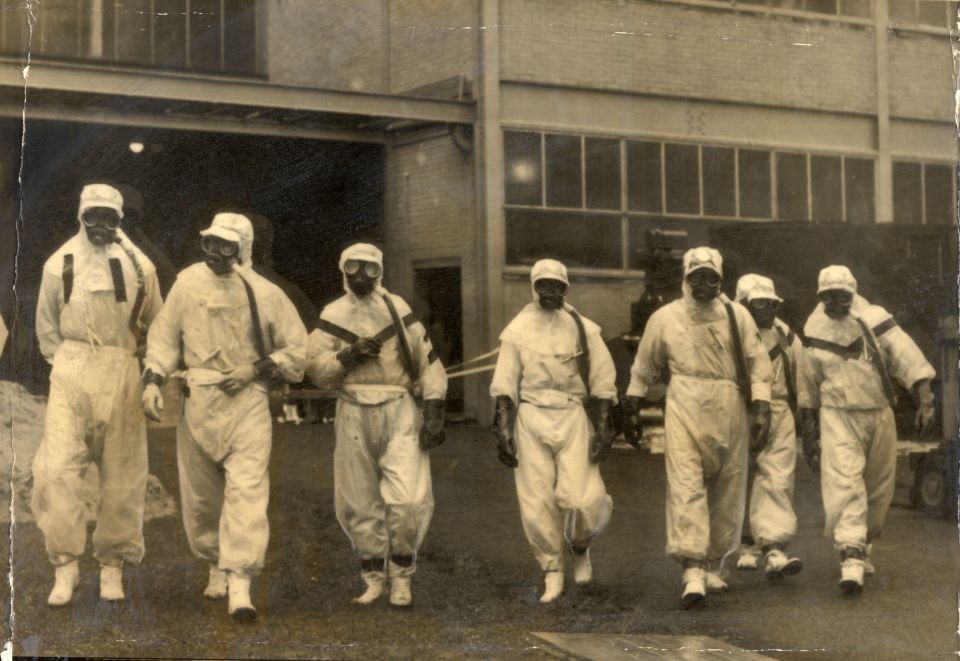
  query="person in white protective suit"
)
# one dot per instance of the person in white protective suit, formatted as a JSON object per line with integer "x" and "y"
{"x": 234, "y": 331}
{"x": 853, "y": 353}
{"x": 770, "y": 522}
{"x": 552, "y": 363}
{"x": 718, "y": 404}
{"x": 370, "y": 348}
{"x": 98, "y": 295}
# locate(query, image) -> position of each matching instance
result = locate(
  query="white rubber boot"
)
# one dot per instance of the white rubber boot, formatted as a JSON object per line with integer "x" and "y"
{"x": 552, "y": 586}
{"x": 714, "y": 582}
{"x": 216, "y": 584}
{"x": 851, "y": 576}
{"x": 66, "y": 579}
{"x": 694, "y": 587}
{"x": 401, "y": 596}
{"x": 776, "y": 565}
{"x": 111, "y": 583}
{"x": 868, "y": 568}
{"x": 582, "y": 568}
{"x": 749, "y": 558}
{"x": 239, "y": 606}
{"x": 374, "y": 581}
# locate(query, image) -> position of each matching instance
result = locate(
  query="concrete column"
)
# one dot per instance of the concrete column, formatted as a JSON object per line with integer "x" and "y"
{"x": 883, "y": 173}
{"x": 489, "y": 168}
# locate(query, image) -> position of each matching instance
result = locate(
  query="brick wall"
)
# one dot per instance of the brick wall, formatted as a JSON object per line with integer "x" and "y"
{"x": 921, "y": 77}
{"x": 431, "y": 41}
{"x": 677, "y": 50}
{"x": 333, "y": 44}
{"x": 342, "y": 44}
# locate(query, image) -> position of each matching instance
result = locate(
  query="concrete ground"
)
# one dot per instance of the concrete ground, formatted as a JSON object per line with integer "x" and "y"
{"x": 477, "y": 585}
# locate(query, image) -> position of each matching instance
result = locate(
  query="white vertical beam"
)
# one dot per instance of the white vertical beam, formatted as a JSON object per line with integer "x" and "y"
{"x": 883, "y": 173}
{"x": 490, "y": 171}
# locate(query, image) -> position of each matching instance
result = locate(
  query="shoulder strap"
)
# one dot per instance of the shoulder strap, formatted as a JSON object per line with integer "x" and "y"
{"x": 583, "y": 358}
{"x": 743, "y": 376}
{"x": 255, "y": 319}
{"x": 405, "y": 354}
{"x": 119, "y": 286}
{"x": 879, "y": 362}
{"x": 67, "y": 277}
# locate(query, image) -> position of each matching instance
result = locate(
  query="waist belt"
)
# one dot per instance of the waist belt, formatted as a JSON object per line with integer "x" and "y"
{"x": 704, "y": 379}
{"x": 99, "y": 347}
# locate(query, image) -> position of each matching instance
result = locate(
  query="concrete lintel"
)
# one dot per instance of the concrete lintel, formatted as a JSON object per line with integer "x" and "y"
{"x": 252, "y": 93}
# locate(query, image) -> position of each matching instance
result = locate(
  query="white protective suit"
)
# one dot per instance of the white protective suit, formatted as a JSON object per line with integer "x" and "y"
{"x": 84, "y": 328}
{"x": 772, "y": 519}
{"x": 842, "y": 376}
{"x": 562, "y": 496}
{"x": 224, "y": 441}
{"x": 706, "y": 421}
{"x": 383, "y": 489}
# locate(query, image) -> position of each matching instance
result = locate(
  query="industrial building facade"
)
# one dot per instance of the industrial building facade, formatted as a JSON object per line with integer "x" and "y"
{"x": 510, "y": 130}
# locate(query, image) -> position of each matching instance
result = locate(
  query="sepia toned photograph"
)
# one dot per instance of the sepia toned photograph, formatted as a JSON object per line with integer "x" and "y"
{"x": 479, "y": 329}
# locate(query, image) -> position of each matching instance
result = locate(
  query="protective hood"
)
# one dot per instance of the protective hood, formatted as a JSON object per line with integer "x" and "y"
{"x": 753, "y": 286}
{"x": 366, "y": 252}
{"x": 99, "y": 195}
{"x": 237, "y": 228}
{"x": 547, "y": 269}
{"x": 836, "y": 277}
{"x": 702, "y": 257}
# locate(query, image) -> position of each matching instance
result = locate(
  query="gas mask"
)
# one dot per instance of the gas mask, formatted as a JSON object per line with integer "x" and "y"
{"x": 704, "y": 284}
{"x": 550, "y": 292}
{"x": 836, "y": 303}
{"x": 763, "y": 311}
{"x": 361, "y": 276}
{"x": 219, "y": 254}
{"x": 101, "y": 224}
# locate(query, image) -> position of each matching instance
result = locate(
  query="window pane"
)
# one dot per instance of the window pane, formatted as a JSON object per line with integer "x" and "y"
{"x": 564, "y": 179}
{"x": 907, "y": 183}
{"x": 59, "y": 28}
{"x": 827, "y": 192}
{"x": 523, "y": 169}
{"x": 240, "y": 36}
{"x": 132, "y": 20}
{"x": 170, "y": 33}
{"x": 933, "y": 13}
{"x": 822, "y": 6}
{"x": 903, "y": 12}
{"x": 858, "y": 179}
{"x": 15, "y": 30}
{"x": 573, "y": 238}
{"x": 718, "y": 182}
{"x": 754, "y": 169}
{"x": 941, "y": 207}
{"x": 791, "y": 186}
{"x": 643, "y": 176}
{"x": 856, "y": 8}
{"x": 603, "y": 173}
{"x": 683, "y": 179}
{"x": 205, "y": 35}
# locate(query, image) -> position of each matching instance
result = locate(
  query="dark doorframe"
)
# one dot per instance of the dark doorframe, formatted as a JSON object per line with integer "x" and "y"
{"x": 438, "y": 291}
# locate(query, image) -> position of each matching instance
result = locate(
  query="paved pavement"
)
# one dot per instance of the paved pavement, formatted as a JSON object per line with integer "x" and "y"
{"x": 477, "y": 585}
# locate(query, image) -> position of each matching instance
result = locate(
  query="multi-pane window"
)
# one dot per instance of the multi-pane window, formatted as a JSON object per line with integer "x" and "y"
{"x": 568, "y": 194}
{"x": 214, "y": 36}
{"x": 845, "y": 8}
{"x": 924, "y": 193}
{"x": 923, "y": 13}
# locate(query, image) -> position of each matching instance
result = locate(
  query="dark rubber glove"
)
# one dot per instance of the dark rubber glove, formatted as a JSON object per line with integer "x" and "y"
{"x": 759, "y": 425}
{"x": 808, "y": 425}
{"x": 504, "y": 422}
{"x": 602, "y": 437}
{"x": 632, "y": 423}
{"x": 359, "y": 352}
{"x": 926, "y": 413}
{"x": 432, "y": 433}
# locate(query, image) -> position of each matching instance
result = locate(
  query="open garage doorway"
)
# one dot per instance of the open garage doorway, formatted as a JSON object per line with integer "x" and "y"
{"x": 319, "y": 195}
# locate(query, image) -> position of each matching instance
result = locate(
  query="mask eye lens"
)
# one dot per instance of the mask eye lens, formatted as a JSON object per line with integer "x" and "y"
{"x": 228, "y": 248}
{"x": 765, "y": 304}
{"x": 550, "y": 287}
{"x": 704, "y": 277}
{"x": 371, "y": 269}
{"x": 212, "y": 244}
{"x": 93, "y": 219}
{"x": 351, "y": 267}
